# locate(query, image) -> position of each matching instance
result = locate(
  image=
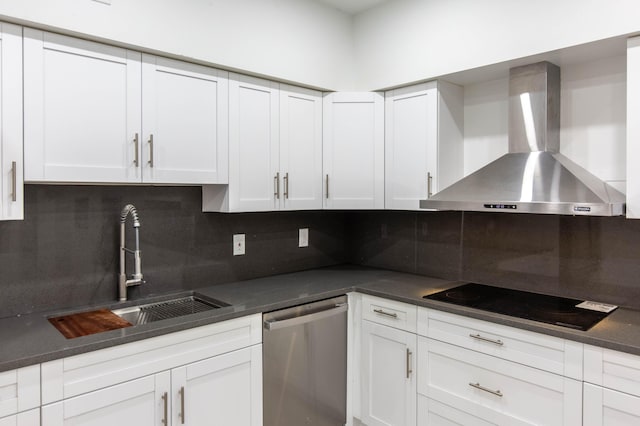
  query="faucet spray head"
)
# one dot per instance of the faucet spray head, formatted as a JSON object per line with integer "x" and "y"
{"x": 130, "y": 209}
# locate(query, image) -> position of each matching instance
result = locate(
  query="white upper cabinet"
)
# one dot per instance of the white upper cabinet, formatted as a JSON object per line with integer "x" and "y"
{"x": 300, "y": 148}
{"x": 423, "y": 142}
{"x": 184, "y": 116}
{"x": 633, "y": 127}
{"x": 11, "y": 164}
{"x": 100, "y": 114}
{"x": 275, "y": 149}
{"x": 254, "y": 181}
{"x": 81, "y": 110}
{"x": 353, "y": 150}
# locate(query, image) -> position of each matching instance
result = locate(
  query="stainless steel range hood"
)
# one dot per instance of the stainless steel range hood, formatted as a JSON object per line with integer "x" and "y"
{"x": 533, "y": 177}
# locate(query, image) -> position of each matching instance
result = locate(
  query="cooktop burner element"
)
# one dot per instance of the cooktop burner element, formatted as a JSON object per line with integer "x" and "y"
{"x": 537, "y": 307}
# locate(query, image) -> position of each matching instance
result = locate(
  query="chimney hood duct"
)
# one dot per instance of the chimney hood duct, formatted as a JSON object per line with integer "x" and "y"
{"x": 533, "y": 177}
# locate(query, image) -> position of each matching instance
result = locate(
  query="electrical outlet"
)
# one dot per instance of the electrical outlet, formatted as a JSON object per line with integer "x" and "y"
{"x": 238, "y": 244}
{"x": 303, "y": 237}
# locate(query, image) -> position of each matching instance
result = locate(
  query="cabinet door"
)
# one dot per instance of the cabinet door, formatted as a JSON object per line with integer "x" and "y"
{"x": 353, "y": 150}
{"x": 140, "y": 402}
{"x": 411, "y": 136}
{"x": 81, "y": 110}
{"x": 301, "y": 148}
{"x": 227, "y": 388}
{"x": 11, "y": 191}
{"x": 388, "y": 376}
{"x": 254, "y": 178}
{"x": 606, "y": 407}
{"x": 185, "y": 116}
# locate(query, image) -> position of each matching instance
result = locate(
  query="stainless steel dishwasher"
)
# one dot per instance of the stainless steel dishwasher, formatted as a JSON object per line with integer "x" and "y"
{"x": 305, "y": 364}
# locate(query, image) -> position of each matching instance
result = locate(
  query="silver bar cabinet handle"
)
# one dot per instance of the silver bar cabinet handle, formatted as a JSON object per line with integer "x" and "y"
{"x": 14, "y": 181}
{"x": 276, "y": 185}
{"x": 136, "y": 157}
{"x": 181, "y": 392}
{"x": 326, "y": 192}
{"x": 482, "y": 388}
{"x": 381, "y": 312}
{"x": 409, "y": 370}
{"x": 429, "y": 184}
{"x": 150, "y": 150}
{"x": 165, "y": 401}
{"x": 286, "y": 185}
{"x": 486, "y": 339}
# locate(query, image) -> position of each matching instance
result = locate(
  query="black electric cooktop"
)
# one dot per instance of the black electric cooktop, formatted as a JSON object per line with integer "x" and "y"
{"x": 537, "y": 307}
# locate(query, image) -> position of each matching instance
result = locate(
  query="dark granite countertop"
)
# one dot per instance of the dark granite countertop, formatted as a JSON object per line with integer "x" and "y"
{"x": 31, "y": 339}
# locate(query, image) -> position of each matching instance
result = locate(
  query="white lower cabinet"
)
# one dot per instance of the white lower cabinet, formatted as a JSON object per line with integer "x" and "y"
{"x": 388, "y": 393}
{"x": 188, "y": 377}
{"x": 612, "y": 387}
{"x": 140, "y": 402}
{"x": 493, "y": 390}
{"x": 606, "y": 407}
{"x": 227, "y": 388}
{"x": 20, "y": 397}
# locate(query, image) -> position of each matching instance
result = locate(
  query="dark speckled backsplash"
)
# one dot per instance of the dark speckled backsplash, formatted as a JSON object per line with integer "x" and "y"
{"x": 594, "y": 258}
{"x": 64, "y": 254}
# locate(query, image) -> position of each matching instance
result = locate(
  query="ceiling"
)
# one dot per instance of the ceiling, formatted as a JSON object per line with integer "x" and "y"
{"x": 352, "y": 7}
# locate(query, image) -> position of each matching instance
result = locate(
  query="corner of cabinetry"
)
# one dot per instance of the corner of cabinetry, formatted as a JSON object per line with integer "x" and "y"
{"x": 215, "y": 198}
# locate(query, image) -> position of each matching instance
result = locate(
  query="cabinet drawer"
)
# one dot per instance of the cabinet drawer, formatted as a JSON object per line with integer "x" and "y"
{"x": 83, "y": 373}
{"x": 537, "y": 350}
{"x": 19, "y": 390}
{"x": 604, "y": 406}
{"x": 612, "y": 369}
{"x": 389, "y": 312}
{"x": 432, "y": 412}
{"x": 496, "y": 390}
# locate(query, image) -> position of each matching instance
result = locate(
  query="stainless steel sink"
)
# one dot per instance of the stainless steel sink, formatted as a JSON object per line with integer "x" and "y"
{"x": 143, "y": 314}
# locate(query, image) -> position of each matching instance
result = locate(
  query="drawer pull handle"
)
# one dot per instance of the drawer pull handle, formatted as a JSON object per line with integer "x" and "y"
{"x": 409, "y": 370}
{"x": 136, "y": 152}
{"x": 14, "y": 181}
{"x": 151, "y": 150}
{"x": 381, "y": 312}
{"x": 482, "y": 388}
{"x": 165, "y": 400}
{"x": 486, "y": 339}
{"x": 276, "y": 186}
{"x": 181, "y": 392}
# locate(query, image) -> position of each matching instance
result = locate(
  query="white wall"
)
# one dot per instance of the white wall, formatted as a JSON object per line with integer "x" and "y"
{"x": 412, "y": 40}
{"x": 592, "y": 119}
{"x": 296, "y": 40}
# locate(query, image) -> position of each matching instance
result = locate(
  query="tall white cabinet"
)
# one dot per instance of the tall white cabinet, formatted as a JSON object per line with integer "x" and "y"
{"x": 423, "y": 142}
{"x": 353, "y": 150}
{"x": 85, "y": 104}
{"x": 275, "y": 149}
{"x": 633, "y": 127}
{"x": 11, "y": 163}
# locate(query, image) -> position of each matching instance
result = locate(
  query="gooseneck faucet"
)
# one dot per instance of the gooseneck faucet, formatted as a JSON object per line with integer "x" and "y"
{"x": 136, "y": 279}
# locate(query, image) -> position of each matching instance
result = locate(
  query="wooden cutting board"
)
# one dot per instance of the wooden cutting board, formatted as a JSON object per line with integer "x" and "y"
{"x": 86, "y": 323}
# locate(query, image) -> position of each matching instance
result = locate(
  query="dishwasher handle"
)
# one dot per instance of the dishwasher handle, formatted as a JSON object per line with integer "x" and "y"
{"x": 303, "y": 319}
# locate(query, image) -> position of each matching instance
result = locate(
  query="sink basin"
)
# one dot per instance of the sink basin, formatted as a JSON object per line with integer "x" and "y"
{"x": 144, "y": 314}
